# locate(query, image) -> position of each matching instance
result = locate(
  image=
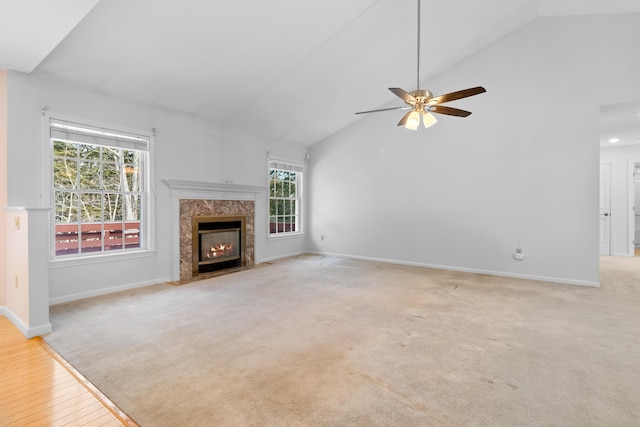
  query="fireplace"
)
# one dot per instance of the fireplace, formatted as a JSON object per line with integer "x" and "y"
{"x": 190, "y": 208}
{"x": 218, "y": 243}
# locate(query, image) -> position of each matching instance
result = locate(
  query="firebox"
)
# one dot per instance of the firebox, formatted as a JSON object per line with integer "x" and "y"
{"x": 218, "y": 243}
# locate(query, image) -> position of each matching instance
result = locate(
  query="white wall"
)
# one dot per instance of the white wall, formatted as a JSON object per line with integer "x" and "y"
{"x": 16, "y": 270}
{"x": 521, "y": 172}
{"x": 185, "y": 148}
{"x": 27, "y": 304}
{"x": 621, "y": 209}
{"x": 3, "y": 183}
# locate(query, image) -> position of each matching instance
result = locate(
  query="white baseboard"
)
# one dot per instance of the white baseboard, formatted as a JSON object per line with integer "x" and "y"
{"x": 275, "y": 258}
{"x": 470, "y": 270}
{"x": 623, "y": 254}
{"x": 105, "y": 291}
{"x": 27, "y": 331}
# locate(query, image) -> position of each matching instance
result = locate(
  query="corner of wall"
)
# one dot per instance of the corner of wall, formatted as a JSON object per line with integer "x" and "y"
{"x": 27, "y": 331}
{"x": 26, "y": 276}
{"x": 3, "y": 180}
{"x": 16, "y": 277}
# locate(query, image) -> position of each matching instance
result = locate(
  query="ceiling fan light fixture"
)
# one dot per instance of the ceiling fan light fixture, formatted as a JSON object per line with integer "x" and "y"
{"x": 428, "y": 119}
{"x": 413, "y": 120}
{"x": 423, "y": 103}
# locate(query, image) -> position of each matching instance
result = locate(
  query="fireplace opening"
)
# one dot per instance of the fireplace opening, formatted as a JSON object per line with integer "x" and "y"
{"x": 218, "y": 243}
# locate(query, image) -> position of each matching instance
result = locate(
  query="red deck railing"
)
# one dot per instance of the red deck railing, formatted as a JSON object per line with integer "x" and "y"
{"x": 72, "y": 238}
{"x": 280, "y": 227}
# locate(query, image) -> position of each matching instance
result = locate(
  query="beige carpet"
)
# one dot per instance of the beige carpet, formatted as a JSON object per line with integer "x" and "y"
{"x": 323, "y": 341}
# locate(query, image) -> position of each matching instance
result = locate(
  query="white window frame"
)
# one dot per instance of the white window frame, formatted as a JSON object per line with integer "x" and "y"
{"x": 288, "y": 165}
{"x": 147, "y": 231}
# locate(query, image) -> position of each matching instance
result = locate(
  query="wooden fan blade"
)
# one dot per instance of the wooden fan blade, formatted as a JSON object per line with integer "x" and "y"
{"x": 443, "y": 109}
{"x": 403, "y": 120}
{"x": 383, "y": 109}
{"x": 406, "y": 96}
{"x": 458, "y": 95}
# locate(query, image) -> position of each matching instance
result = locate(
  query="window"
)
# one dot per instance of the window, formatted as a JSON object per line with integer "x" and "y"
{"x": 99, "y": 189}
{"x": 285, "y": 197}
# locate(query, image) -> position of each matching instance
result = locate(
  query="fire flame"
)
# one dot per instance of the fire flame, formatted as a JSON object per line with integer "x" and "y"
{"x": 222, "y": 249}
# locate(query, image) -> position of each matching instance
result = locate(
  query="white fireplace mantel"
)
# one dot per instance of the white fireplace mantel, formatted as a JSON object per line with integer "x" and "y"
{"x": 224, "y": 190}
{"x": 185, "y": 189}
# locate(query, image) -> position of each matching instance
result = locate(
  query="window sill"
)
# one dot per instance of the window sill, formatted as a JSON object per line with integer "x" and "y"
{"x": 285, "y": 236}
{"x": 99, "y": 259}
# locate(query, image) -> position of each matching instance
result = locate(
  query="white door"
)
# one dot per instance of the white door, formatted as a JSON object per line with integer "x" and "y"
{"x": 605, "y": 209}
{"x": 635, "y": 235}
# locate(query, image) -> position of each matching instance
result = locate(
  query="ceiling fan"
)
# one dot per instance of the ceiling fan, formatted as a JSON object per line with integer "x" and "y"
{"x": 422, "y": 102}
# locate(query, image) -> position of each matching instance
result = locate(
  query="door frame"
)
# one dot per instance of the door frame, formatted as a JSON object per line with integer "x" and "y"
{"x": 631, "y": 223}
{"x": 609, "y": 252}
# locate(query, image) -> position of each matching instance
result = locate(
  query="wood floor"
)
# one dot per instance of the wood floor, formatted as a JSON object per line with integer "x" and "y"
{"x": 39, "y": 388}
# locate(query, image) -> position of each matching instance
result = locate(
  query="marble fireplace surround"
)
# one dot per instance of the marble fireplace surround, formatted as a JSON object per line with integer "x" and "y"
{"x": 191, "y": 198}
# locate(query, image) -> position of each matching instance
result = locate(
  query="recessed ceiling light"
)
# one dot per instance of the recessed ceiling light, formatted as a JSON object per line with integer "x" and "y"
{"x": 614, "y": 140}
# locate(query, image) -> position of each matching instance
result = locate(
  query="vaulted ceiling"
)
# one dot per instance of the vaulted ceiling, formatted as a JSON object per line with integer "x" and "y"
{"x": 288, "y": 70}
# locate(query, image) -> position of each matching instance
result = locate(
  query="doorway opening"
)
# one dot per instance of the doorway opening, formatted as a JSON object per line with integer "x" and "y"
{"x": 634, "y": 199}
{"x": 620, "y": 148}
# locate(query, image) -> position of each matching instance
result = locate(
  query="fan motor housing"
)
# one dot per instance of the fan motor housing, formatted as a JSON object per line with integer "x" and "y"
{"x": 422, "y": 98}
{"x": 421, "y": 95}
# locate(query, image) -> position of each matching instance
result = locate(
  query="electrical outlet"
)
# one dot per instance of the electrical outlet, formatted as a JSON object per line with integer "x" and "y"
{"x": 518, "y": 254}
{"x": 322, "y": 237}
